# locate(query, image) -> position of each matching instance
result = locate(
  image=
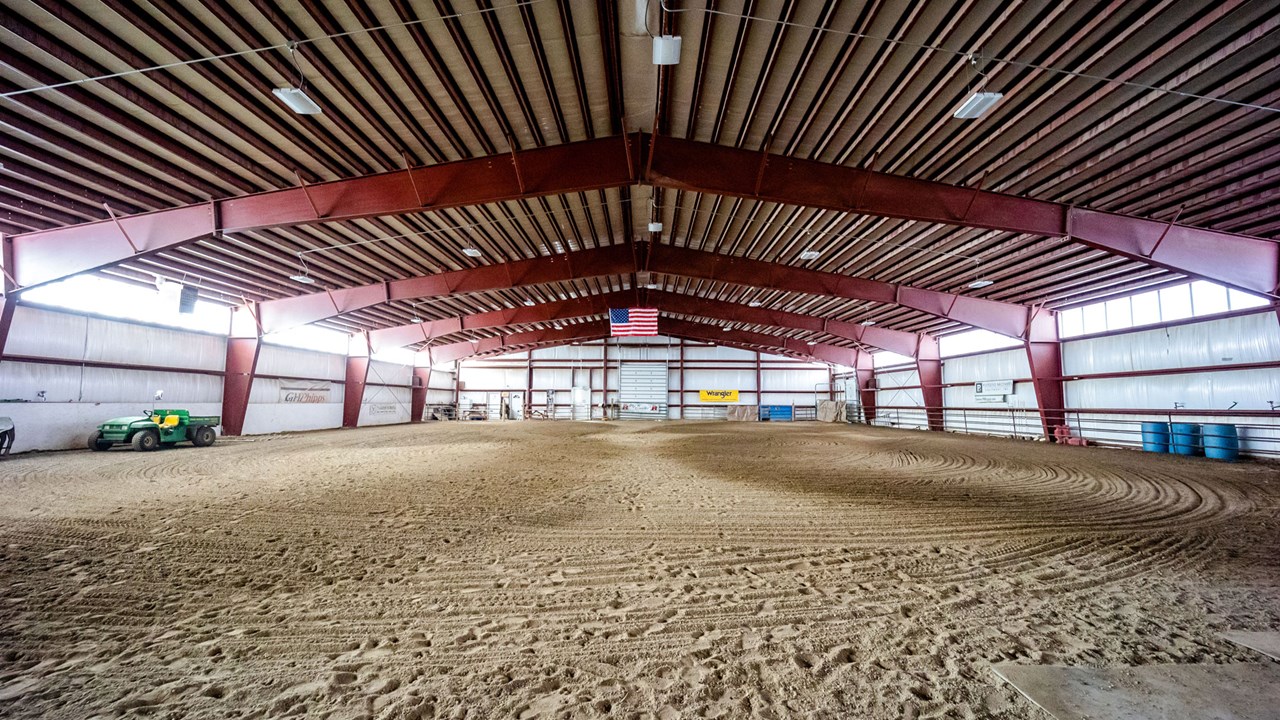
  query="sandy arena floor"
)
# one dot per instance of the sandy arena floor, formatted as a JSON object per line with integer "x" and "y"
{"x": 629, "y": 570}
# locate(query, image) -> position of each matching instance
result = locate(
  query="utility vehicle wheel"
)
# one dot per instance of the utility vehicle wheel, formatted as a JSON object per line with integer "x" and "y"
{"x": 146, "y": 440}
{"x": 96, "y": 442}
{"x": 203, "y": 436}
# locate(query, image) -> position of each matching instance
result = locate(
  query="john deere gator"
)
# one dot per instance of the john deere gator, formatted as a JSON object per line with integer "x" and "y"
{"x": 156, "y": 428}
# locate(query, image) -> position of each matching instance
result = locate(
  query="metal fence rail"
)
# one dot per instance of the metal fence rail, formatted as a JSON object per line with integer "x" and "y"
{"x": 1258, "y": 431}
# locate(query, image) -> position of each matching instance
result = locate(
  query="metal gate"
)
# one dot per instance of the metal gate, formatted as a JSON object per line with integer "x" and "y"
{"x": 642, "y": 391}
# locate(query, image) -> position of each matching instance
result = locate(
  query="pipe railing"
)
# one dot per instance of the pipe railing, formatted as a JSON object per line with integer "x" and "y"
{"x": 1258, "y": 430}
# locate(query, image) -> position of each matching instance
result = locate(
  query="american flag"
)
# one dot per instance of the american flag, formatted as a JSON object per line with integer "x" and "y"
{"x": 625, "y": 322}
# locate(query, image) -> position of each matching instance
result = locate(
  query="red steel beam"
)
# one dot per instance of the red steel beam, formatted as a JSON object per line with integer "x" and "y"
{"x": 1008, "y": 319}
{"x": 1004, "y": 318}
{"x": 418, "y": 398}
{"x": 303, "y": 309}
{"x": 513, "y": 343}
{"x": 353, "y": 389}
{"x": 1247, "y": 263}
{"x": 865, "y": 374}
{"x": 243, "y": 348}
{"x": 903, "y": 343}
{"x": 8, "y": 301}
{"x": 49, "y": 255}
{"x": 1244, "y": 262}
{"x": 929, "y": 368}
{"x": 403, "y": 335}
{"x": 1044, "y": 355}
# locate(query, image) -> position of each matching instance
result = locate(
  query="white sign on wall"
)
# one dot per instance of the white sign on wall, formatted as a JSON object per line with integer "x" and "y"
{"x": 296, "y": 392}
{"x": 993, "y": 387}
{"x": 382, "y": 408}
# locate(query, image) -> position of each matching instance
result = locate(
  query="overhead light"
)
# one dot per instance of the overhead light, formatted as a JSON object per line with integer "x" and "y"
{"x": 415, "y": 320}
{"x": 557, "y": 326}
{"x": 304, "y": 279}
{"x": 652, "y": 286}
{"x": 868, "y": 322}
{"x": 666, "y": 50}
{"x": 529, "y": 303}
{"x": 726, "y": 328}
{"x": 471, "y": 252}
{"x": 811, "y": 342}
{"x": 754, "y": 303}
{"x": 655, "y": 227}
{"x": 809, "y": 255}
{"x": 297, "y": 100}
{"x": 981, "y": 283}
{"x": 976, "y": 105}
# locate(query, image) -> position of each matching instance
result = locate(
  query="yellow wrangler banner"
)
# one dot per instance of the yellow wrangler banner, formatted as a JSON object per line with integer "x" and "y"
{"x": 718, "y": 396}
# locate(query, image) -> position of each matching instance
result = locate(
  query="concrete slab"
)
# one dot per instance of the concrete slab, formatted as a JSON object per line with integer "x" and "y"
{"x": 1239, "y": 691}
{"x": 1267, "y": 643}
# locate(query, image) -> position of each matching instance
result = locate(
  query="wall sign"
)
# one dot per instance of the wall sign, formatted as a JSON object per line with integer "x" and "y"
{"x": 304, "y": 392}
{"x": 382, "y": 408}
{"x": 718, "y": 396}
{"x": 993, "y": 387}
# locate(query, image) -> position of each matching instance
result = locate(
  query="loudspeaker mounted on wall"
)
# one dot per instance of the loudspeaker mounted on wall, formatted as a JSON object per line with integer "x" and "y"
{"x": 187, "y": 300}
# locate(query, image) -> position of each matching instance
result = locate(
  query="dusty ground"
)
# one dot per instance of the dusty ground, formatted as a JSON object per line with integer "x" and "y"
{"x": 634, "y": 570}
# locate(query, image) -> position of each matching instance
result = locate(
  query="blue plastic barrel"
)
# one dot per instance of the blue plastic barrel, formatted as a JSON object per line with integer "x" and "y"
{"x": 1221, "y": 442}
{"x": 1186, "y": 438}
{"x": 1155, "y": 437}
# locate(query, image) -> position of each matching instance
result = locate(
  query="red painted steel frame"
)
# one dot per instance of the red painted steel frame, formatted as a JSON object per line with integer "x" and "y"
{"x": 1244, "y": 262}
{"x": 418, "y": 399}
{"x": 353, "y": 389}
{"x": 8, "y": 302}
{"x": 49, "y": 255}
{"x": 904, "y": 343}
{"x": 294, "y": 311}
{"x": 237, "y": 383}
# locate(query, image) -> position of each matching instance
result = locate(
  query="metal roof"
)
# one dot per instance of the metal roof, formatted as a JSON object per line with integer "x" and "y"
{"x": 1104, "y": 107}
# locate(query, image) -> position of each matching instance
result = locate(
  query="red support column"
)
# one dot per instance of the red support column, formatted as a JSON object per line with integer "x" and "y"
{"x": 929, "y": 367}
{"x": 353, "y": 388}
{"x": 865, "y": 372}
{"x": 680, "y": 381}
{"x": 759, "y": 388}
{"x": 8, "y": 301}
{"x": 243, "y": 346}
{"x": 1044, "y": 355}
{"x": 421, "y": 386}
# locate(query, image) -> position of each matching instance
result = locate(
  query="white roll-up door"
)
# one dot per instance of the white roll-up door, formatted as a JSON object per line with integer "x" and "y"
{"x": 642, "y": 392}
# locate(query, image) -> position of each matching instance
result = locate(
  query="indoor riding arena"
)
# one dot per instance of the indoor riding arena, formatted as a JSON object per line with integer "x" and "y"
{"x": 641, "y": 359}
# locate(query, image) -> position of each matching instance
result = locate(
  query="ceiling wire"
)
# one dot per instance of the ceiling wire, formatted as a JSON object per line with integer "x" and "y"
{"x": 289, "y": 46}
{"x": 972, "y": 55}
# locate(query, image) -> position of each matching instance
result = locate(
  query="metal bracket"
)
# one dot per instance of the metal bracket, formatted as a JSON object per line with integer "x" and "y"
{"x": 1165, "y": 233}
{"x": 974, "y": 195}
{"x": 408, "y": 169}
{"x": 764, "y": 160}
{"x": 866, "y": 180}
{"x": 515, "y": 162}
{"x": 307, "y": 191}
{"x": 120, "y": 227}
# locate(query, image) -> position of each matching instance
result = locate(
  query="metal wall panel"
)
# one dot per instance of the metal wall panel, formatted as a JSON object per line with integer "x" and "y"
{"x": 999, "y": 365}
{"x": 295, "y": 362}
{"x": 1244, "y": 339}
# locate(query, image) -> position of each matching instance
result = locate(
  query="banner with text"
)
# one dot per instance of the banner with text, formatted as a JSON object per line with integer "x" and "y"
{"x": 296, "y": 392}
{"x": 718, "y": 396}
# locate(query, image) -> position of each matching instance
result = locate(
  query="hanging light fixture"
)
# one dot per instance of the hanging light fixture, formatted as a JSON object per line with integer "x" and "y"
{"x": 471, "y": 252}
{"x": 979, "y": 101}
{"x": 302, "y": 278}
{"x": 981, "y": 283}
{"x": 810, "y": 254}
{"x": 295, "y": 97}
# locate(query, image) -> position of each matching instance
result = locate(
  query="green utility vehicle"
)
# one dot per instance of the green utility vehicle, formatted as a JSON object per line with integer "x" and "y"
{"x": 156, "y": 428}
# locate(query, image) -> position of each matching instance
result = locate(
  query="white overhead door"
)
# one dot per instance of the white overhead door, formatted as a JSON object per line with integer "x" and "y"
{"x": 642, "y": 392}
